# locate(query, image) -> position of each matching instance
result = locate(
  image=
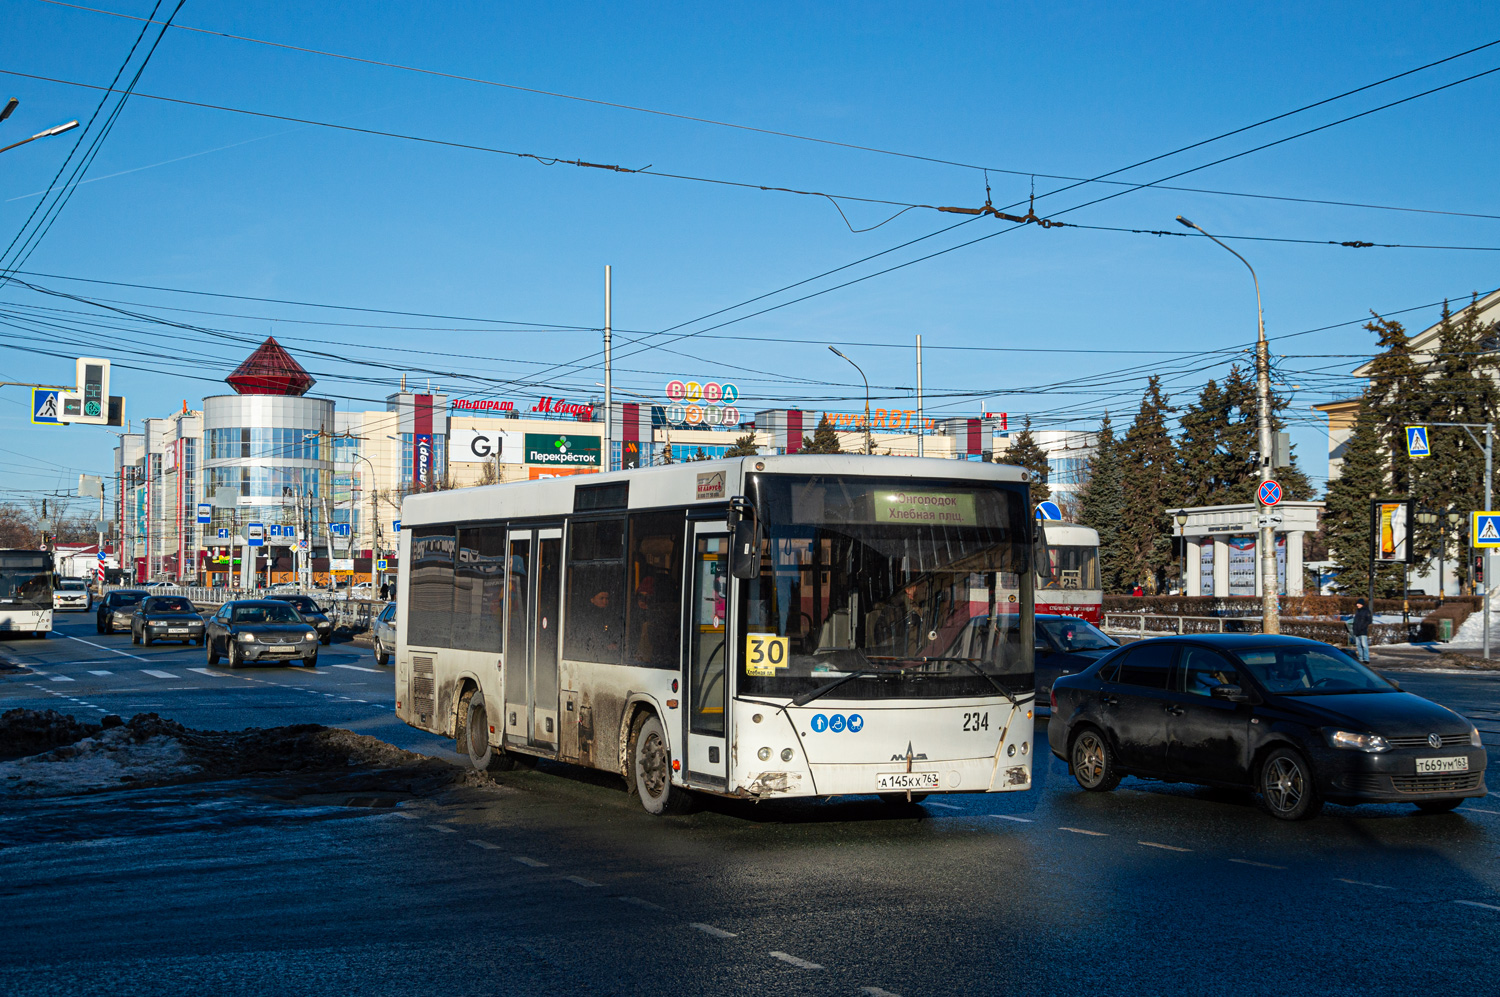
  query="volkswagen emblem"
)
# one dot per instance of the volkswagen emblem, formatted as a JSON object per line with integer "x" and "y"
{"x": 1434, "y": 740}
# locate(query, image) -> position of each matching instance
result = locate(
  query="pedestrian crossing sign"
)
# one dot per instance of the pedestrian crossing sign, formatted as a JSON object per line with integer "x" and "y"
{"x": 46, "y": 407}
{"x": 1484, "y": 530}
{"x": 1416, "y": 442}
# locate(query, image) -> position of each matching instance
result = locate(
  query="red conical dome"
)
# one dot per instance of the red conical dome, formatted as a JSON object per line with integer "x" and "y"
{"x": 270, "y": 370}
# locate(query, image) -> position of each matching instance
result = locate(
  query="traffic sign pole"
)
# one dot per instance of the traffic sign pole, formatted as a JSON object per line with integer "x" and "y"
{"x": 1489, "y": 479}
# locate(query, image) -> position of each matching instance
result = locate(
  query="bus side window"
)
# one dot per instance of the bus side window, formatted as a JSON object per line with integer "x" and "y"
{"x": 653, "y": 615}
{"x": 596, "y": 591}
{"x": 430, "y": 623}
{"x": 478, "y": 584}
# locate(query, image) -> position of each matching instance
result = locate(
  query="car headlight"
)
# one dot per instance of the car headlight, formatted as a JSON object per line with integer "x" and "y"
{"x": 247, "y": 637}
{"x": 311, "y": 636}
{"x": 1356, "y": 742}
{"x": 1474, "y": 741}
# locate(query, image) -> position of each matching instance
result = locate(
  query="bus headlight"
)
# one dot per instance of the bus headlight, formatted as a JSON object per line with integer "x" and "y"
{"x": 764, "y": 754}
{"x": 786, "y": 754}
{"x": 1010, "y": 749}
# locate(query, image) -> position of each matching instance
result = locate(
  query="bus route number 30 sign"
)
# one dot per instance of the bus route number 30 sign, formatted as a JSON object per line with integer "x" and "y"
{"x": 765, "y": 654}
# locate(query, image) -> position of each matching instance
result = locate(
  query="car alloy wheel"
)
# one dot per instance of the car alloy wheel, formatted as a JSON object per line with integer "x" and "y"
{"x": 1093, "y": 763}
{"x": 1286, "y": 786}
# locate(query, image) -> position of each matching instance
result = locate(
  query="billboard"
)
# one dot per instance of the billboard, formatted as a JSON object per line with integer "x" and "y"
{"x": 421, "y": 442}
{"x": 481, "y": 446}
{"x": 1390, "y": 531}
{"x": 562, "y": 450}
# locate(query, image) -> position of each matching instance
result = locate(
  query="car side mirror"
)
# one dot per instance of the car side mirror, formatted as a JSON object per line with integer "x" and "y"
{"x": 1230, "y": 693}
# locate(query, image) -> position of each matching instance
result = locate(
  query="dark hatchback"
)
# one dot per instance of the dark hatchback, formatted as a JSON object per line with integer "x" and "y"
{"x": 165, "y": 617}
{"x": 1296, "y": 720}
{"x": 115, "y": 610}
{"x": 1066, "y": 645}
{"x": 311, "y": 612}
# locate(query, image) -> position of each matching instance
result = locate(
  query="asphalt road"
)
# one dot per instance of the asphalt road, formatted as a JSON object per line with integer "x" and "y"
{"x": 555, "y": 882}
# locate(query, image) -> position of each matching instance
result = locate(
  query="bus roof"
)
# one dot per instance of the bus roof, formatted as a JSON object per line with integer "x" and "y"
{"x": 1070, "y": 535}
{"x": 679, "y": 485}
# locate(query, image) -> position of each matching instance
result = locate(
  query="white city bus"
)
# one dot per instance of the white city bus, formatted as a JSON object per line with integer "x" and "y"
{"x": 763, "y": 627}
{"x": 26, "y": 592}
{"x": 1072, "y": 586}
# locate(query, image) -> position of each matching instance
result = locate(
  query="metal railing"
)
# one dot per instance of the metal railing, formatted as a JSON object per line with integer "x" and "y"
{"x": 1161, "y": 623}
{"x": 357, "y": 615}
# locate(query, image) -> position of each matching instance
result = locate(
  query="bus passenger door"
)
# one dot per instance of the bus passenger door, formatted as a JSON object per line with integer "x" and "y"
{"x": 706, "y": 664}
{"x": 533, "y": 597}
{"x": 519, "y": 596}
{"x": 546, "y": 638}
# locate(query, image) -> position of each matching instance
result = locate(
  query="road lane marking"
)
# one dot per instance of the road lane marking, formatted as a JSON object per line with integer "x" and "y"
{"x": 945, "y": 806}
{"x": 637, "y": 901}
{"x": 579, "y": 880}
{"x": 1157, "y": 844}
{"x": 359, "y": 668}
{"x": 209, "y": 672}
{"x": 877, "y": 992}
{"x": 101, "y": 673}
{"x": 444, "y": 830}
{"x": 101, "y": 647}
{"x": 1360, "y": 882}
{"x": 1018, "y": 820}
{"x": 794, "y": 961}
{"x": 58, "y": 678}
{"x": 1476, "y": 903}
{"x": 531, "y": 862}
{"x": 406, "y": 816}
{"x": 1477, "y": 810}
{"x": 158, "y": 675}
{"x": 709, "y": 929}
{"x": 483, "y": 844}
{"x": 1258, "y": 865}
{"x": 1079, "y": 830}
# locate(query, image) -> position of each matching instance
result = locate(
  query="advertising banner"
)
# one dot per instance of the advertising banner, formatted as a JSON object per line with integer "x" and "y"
{"x": 1390, "y": 530}
{"x": 421, "y": 441}
{"x": 562, "y": 450}
{"x": 482, "y": 446}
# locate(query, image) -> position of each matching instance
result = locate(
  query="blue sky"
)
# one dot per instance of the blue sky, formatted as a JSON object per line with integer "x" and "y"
{"x": 237, "y": 204}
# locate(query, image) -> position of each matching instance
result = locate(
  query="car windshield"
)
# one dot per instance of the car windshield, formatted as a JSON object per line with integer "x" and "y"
{"x": 302, "y": 602}
{"x": 72, "y": 585}
{"x": 128, "y": 598}
{"x": 907, "y": 588}
{"x": 278, "y": 612}
{"x": 1295, "y": 670}
{"x": 1076, "y": 635}
{"x": 169, "y": 604}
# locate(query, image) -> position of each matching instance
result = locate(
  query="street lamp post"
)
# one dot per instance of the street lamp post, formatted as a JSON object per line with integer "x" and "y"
{"x": 43, "y": 134}
{"x": 1270, "y": 616}
{"x": 868, "y": 448}
{"x": 1182, "y": 519}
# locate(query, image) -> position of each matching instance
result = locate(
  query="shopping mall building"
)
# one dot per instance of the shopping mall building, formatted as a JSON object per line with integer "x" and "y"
{"x": 326, "y": 483}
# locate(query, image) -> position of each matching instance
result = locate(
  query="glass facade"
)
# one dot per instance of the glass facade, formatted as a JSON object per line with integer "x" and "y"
{"x": 276, "y": 442}
{"x": 439, "y": 458}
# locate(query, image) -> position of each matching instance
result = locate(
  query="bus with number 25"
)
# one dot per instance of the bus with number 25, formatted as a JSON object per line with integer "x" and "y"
{"x": 756, "y": 628}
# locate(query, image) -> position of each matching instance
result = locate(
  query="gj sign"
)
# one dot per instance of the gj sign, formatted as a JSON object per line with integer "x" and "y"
{"x": 562, "y": 449}
{"x": 480, "y": 446}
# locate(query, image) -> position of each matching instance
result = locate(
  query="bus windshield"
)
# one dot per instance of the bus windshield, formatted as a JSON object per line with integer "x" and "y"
{"x": 905, "y": 587}
{"x": 26, "y": 579}
{"x": 1073, "y": 568}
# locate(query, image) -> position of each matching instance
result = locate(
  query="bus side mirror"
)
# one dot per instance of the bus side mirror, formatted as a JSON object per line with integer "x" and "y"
{"x": 744, "y": 559}
{"x": 1041, "y": 562}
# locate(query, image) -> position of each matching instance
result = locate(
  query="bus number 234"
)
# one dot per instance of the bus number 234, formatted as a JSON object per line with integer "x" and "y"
{"x": 976, "y": 721}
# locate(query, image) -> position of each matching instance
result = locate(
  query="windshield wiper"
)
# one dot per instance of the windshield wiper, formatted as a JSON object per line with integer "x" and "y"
{"x": 973, "y": 667}
{"x": 812, "y": 694}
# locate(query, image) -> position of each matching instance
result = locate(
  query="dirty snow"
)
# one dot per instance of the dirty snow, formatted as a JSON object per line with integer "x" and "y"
{"x": 112, "y": 759}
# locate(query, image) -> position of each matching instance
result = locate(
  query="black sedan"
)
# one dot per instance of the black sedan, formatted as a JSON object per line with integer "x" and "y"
{"x": 260, "y": 630}
{"x": 311, "y": 612}
{"x": 165, "y": 617}
{"x": 1298, "y": 721}
{"x": 115, "y": 610}
{"x": 1066, "y": 645}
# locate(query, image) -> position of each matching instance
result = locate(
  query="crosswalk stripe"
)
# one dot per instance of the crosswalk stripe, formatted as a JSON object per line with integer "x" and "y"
{"x": 359, "y": 668}
{"x": 158, "y": 675}
{"x": 210, "y": 672}
{"x": 58, "y": 678}
{"x": 101, "y": 672}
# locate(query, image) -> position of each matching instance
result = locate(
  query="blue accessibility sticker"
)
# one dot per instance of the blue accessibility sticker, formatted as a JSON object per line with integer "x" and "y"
{"x": 836, "y": 723}
{"x": 856, "y": 723}
{"x": 819, "y": 723}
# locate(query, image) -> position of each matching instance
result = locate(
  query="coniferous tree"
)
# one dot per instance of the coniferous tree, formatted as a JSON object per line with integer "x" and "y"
{"x": 1024, "y": 452}
{"x": 1102, "y": 505}
{"x": 1149, "y": 463}
{"x": 1346, "y": 516}
{"x": 1204, "y": 446}
{"x": 823, "y": 439}
{"x": 744, "y": 446}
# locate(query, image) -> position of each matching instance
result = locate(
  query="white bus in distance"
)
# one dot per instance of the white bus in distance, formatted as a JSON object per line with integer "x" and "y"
{"x": 755, "y": 628}
{"x": 1070, "y": 583}
{"x": 26, "y": 592}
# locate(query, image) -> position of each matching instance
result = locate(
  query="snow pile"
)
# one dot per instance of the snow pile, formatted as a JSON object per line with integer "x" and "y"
{"x": 1470, "y": 633}
{"x": 63, "y": 756}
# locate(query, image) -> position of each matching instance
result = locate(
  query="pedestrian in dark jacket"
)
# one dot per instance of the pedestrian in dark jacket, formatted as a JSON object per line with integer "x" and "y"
{"x": 1360, "y": 625}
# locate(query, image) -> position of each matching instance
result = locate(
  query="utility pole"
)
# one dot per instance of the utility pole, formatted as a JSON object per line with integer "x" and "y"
{"x": 1269, "y": 608}
{"x": 609, "y": 413}
{"x": 921, "y": 421}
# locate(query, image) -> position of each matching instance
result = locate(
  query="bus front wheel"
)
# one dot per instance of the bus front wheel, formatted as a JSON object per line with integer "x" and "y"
{"x": 473, "y": 739}
{"x": 651, "y": 763}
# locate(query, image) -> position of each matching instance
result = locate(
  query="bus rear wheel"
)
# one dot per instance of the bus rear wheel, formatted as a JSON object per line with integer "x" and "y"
{"x": 651, "y": 762}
